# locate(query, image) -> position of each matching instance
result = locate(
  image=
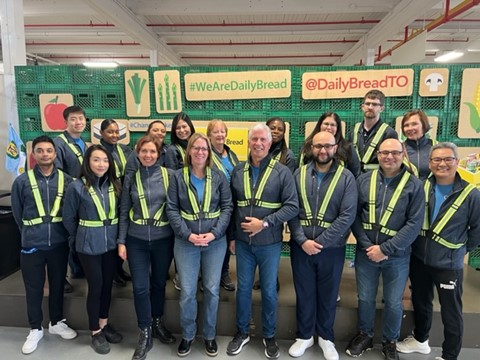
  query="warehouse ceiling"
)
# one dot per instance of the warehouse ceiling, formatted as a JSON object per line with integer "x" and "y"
{"x": 253, "y": 32}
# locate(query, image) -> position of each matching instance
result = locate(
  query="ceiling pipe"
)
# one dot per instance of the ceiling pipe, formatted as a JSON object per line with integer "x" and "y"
{"x": 262, "y": 57}
{"x": 441, "y": 20}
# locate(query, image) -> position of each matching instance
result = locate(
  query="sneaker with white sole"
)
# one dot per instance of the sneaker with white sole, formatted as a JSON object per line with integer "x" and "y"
{"x": 411, "y": 345}
{"x": 328, "y": 348}
{"x": 30, "y": 345}
{"x": 299, "y": 346}
{"x": 439, "y": 358}
{"x": 62, "y": 329}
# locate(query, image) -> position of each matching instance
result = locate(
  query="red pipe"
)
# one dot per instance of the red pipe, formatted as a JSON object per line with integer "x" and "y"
{"x": 263, "y": 43}
{"x": 458, "y": 10}
{"x": 81, "y": 43}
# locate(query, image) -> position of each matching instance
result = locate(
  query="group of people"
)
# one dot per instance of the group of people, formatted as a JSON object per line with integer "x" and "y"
{"x": 194, "y": 203}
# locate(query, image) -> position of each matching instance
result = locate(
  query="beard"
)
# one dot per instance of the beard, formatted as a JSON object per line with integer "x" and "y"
{"x": 323, "y": 161}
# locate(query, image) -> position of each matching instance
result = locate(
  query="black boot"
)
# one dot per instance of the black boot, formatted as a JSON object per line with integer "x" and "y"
{"x": 160, "y": 332}
{"x": 144, "y": 343}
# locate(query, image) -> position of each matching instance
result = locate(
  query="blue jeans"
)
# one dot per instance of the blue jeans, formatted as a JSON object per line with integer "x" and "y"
{"x": 267, "y": 257}
{"x": 394, "y": 276}
{"x": 189, "y": 259}
{"x": 149, "y": 262}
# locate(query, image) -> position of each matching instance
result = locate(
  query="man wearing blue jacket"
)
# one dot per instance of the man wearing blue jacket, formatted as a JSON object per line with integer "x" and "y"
{"x": 37, "y": 203}
{"x": 389, "y": 216}
{"x": 264, "y": 197}
{"x": 328, "y": 204}
{"x": 450, "y": 229}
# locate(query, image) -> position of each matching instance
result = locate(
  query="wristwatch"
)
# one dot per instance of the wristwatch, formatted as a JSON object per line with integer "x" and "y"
{"x": 265, "y": 224}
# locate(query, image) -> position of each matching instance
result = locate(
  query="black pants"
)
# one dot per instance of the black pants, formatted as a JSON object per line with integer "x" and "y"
{"x": 99, "y": 271}
{"x": 317, "y": 280}
{"x": 449, "y": 288}
{"x": 33, "y": 272}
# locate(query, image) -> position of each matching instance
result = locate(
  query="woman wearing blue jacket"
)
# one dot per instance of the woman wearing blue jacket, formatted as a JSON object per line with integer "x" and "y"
{"x": 90, "y": 215}
{"x": 199, "y": 209}
{"x": 146, "y": 238}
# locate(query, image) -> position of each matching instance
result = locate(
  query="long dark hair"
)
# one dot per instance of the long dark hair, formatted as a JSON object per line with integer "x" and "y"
{"x": 88, "y": 174}
{"x": 174, "y": 140}
{"x": 344, "y": 147}
{"x": 283, "y": 146}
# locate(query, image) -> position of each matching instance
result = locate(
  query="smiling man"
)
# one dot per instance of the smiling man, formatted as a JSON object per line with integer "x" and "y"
{"x": 389, "y": 217}
{"x": 264, "y": 197}
{"x": 367, "y": 134}
{"x": 450, "y": 229}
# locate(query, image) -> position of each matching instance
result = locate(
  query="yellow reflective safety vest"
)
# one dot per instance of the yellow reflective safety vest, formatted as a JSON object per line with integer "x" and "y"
{"x": 218, "y": 162}
{"x": 181, "y": 150}
{"x": 146, "y": 219}
{"x": 104, "y": 220}
{"x": 311, "y": 219}
{"x": 42, "y": 217}
{"x": 72, "y": 147}
{"x": 445, "y": 218}
{"x": 367, "y": 156}
{"x": 119, "y": 172}
{"x": 372, "y": 221}
{"x": 204, "y": 212}
{"x": 256, "y": 199}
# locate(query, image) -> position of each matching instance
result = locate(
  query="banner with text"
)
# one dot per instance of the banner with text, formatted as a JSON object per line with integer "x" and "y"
{"x": 354, "y": 84}
{"x": 238, "y": 85}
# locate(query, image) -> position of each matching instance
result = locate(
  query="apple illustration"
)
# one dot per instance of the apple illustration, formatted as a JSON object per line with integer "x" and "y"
{"x": 53, "y": 114}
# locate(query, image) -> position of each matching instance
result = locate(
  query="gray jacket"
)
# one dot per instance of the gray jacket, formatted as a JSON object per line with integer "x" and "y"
{"x": 406, "y": 219}
{"x": 79, "y": 205}
{"x": 290, "y": 161}
{"x": 418, "y": 154}
{"x": 280, "y": 188}
{"x": 155, "y": 196}
{"x": 340, "y": 212}
{"x": 66, "y": 160}
{"x": 133, "y": 163}
{"x": 463, "y": 228}
{"x": 173, "y": 158}
{"x": 46, "y": 234}
{"x": 178, "y": 201}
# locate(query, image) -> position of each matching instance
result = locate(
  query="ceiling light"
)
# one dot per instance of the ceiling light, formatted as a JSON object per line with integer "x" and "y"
{"x": 100, "y": 64}
{"x": 448, "y": 56}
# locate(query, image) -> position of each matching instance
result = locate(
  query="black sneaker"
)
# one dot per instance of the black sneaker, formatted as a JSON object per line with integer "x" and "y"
{"x": 211, "y": 347}
{"x": 238, "y": 342}
{"x": 271, "y": 348}
{"x": 389, "y": 350}
{"x": 185, "y": 347}
{"x": 100, "y": 343}
{"x": 227, "y": 283}
{"x": 112, "y": 336}
{"x": 359, "y": 344}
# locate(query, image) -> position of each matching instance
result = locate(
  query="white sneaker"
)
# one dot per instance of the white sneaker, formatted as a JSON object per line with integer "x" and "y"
{"x": 328, "y": 347}
{"x": 439, "y": 358}
{"x": 62, "y": 329}
{"x": 31, "y": 343}
{"x": 411, "y": 345}
{"x": 299, "y": 346}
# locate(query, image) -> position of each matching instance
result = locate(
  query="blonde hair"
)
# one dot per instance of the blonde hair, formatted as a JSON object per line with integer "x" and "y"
{"x": 193, "y": 138}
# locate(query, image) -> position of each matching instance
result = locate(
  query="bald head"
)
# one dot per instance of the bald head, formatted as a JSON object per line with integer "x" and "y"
{"x": 323, "y": 137}
{"x": 323, "y": 150}
{"x": 390, "y": 157}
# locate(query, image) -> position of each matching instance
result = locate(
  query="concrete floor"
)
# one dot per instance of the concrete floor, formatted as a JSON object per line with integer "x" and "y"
{"x": 53, "y": 347}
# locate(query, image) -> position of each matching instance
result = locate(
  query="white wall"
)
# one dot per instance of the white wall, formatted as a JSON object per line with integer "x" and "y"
{"x": 6, "y": 178}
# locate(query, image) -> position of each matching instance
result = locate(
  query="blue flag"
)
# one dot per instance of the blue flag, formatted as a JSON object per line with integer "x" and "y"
{"x": 15, "y": 161}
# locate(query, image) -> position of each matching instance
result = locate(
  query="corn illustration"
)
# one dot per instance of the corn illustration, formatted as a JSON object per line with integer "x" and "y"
{"x": 475, "y": 110}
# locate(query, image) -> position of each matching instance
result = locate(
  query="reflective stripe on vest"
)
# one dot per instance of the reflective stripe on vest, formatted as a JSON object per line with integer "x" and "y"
{"x": 43, "y": 218}
{"x": 372, "y": 222}
{"x": 365, "y": 159}
{"x": 318, "y": 220}
{"x": 259, "y": 191}
{"x": 123, "y": 161}
{"x": 72, "y": 147}
{"x": 218, "y": 162}
{"x": 207, "y": 199}
{"x": 146, "y": 219}
{"x": 181, "y": 150}
{"x": 445, "y": 218}
{"x": 112, "y": 220}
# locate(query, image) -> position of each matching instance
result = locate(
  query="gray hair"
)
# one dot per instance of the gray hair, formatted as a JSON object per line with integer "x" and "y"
{"x": 262, "y": 127}
{"x": 445, "y": 145}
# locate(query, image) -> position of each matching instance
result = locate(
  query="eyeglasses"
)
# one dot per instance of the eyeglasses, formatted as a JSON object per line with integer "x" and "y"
{"x": 199, "y": 148}
{"x": 327, "y": 124}
{"x": 372, "y": 104}
{"x": 385, "y": 153}
{"x": 448, "y": 160}
{"x": 327, "y": 147}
